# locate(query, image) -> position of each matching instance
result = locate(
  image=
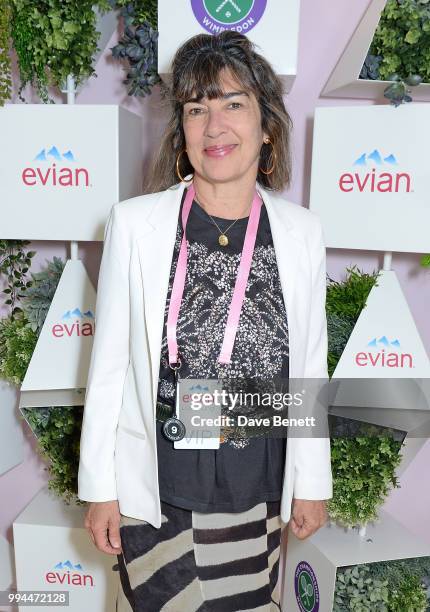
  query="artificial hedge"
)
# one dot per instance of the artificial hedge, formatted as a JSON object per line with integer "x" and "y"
{"x": 364, "y": 464}
{"x": 401, "y": 44}
{"x": 53, "y": 39}
{"x": 385, "y": 586}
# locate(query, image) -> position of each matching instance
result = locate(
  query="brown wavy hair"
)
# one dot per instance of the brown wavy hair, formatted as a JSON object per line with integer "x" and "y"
{"x": 196, "y": 69}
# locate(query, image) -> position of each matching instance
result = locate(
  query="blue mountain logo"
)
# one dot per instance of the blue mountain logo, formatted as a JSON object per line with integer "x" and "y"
{"x": 54, "y": 155}
{"x": 376, "y": 158}
{"x": 68, "y": 565}
{"x": 69, "y": 314}
{"x": 383, "y": 342}
{"x": 199, "y": 388}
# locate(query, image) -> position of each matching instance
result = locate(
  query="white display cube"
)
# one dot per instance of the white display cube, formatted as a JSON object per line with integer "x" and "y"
{"x": 273, "y": 26}
{"x": 311, "y": 564}
{"x": 64, "y": 167}
{"x": 369, "y": 182}
{"x": 54, "y": 552}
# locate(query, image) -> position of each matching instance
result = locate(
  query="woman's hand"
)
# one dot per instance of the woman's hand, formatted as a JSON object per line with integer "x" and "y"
{"x": 102, "y": 522}
{"x": 307, "y": 516}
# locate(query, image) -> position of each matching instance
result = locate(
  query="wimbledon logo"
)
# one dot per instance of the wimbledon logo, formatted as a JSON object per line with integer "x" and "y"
{"x": 218, "y": 15}
{"x": 306, "y": 588}
{"x": 384, "y": 353}
{"x": 375, "y": 174}
{"x": 54, "y": 169}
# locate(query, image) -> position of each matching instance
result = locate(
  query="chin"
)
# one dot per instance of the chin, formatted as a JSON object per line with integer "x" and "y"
{"x": 222, "y": 176}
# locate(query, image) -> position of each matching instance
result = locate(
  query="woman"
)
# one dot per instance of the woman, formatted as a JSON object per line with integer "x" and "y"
{"x": 200, "y": 529}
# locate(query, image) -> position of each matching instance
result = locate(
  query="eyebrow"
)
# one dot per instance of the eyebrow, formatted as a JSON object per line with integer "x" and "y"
{"x": 228, "y": 94}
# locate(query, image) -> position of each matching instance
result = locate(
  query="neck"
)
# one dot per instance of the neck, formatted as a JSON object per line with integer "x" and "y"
{"x": 232, "y": 200}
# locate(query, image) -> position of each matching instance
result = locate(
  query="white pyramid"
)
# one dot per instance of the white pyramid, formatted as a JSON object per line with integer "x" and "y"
{"x": 58, "y": 370}
{"x": 385, "y": 342}
{"x": 384, "y": 363}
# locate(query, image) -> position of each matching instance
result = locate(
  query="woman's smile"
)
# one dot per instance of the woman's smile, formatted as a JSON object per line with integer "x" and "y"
{"x": 219, "y": 151}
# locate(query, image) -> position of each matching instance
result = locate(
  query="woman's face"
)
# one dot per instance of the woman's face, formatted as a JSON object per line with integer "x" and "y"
{"x": 223, "y": 136}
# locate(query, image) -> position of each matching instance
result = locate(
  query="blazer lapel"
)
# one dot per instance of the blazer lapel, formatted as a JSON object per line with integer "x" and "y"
{"x": 156, "y": 243}
{"x": 155, "y": 247}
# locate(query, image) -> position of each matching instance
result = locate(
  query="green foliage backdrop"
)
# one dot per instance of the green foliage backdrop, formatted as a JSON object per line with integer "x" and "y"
{"x": 402, "y": 39}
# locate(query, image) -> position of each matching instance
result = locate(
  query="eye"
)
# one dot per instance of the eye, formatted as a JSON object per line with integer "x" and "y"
{"x": 237, "y": 104}
{"x": 196, "y": 110}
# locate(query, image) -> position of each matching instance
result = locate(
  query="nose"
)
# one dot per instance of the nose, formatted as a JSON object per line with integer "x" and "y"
{"x": 214, "y": 124}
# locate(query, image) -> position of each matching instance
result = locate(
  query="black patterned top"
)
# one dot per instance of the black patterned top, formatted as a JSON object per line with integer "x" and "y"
{"x": 241, "y": 473}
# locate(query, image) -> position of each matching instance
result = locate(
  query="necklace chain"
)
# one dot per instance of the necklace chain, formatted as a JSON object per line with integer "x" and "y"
{"x": 223, "y": 233}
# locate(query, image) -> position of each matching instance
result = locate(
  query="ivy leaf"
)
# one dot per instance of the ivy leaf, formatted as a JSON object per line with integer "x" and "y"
{"x": 425, "y": 261}
{"x": 71, "y": 27}
{"x": 413, "y": 36}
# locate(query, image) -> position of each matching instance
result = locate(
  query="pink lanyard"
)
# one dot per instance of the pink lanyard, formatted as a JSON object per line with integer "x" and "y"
{"x": 239, "y": 288}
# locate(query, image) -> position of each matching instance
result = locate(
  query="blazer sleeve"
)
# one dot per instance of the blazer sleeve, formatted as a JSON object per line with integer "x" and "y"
{"x": 108, "y": 366}
{"x": 313, "y": 475}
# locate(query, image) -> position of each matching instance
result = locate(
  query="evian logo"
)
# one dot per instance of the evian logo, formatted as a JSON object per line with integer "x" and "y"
{"x": 67, "y": 573}
{"x": 376, "y": 174}
{"x": 384, "y": 353}
{"x": 73, "y": 323}
{"x": 54, "y": 169}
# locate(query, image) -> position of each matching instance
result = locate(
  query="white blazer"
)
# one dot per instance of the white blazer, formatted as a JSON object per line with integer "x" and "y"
{"x": 118, "y": 453}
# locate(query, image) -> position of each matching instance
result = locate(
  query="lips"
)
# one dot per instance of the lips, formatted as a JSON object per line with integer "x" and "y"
{"x": 219, "y": 150}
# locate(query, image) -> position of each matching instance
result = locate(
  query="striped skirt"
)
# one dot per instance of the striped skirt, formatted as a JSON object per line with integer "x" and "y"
{"x": 202, "y": 562}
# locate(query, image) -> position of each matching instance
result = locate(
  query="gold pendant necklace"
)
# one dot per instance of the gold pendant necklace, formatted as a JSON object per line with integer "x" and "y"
{"x": 222, "y": 238}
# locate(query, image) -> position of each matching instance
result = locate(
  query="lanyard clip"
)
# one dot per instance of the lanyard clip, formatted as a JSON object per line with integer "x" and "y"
{"x": 175, "y": 365}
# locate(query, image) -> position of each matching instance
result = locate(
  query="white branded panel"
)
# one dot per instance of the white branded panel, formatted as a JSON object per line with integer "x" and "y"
{"x": 370, "y": 177}
{"x": 64, "y": 167}
{"x": 273, "y": 25}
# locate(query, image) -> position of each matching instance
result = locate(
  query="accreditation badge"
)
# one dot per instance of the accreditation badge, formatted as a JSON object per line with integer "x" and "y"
{"x": 199, "y": 408}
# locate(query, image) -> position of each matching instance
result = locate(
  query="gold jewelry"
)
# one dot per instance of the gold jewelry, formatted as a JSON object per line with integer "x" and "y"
{"x": 222, "y": 238}
{"x": 177, "y": 166}
{"x": 272, "y": 154}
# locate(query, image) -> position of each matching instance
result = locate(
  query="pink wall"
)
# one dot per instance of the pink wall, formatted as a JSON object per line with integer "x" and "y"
{"x": 323, "y": 35}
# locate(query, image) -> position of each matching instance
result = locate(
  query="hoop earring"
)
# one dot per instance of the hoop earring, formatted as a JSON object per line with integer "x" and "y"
{"x": 177, "y": 166}
{"x": 272, "y": 154}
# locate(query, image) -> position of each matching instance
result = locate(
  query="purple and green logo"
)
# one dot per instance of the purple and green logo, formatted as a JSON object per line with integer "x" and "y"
{"x": 218, "y": 15}
{"x": 306, "y": 588}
